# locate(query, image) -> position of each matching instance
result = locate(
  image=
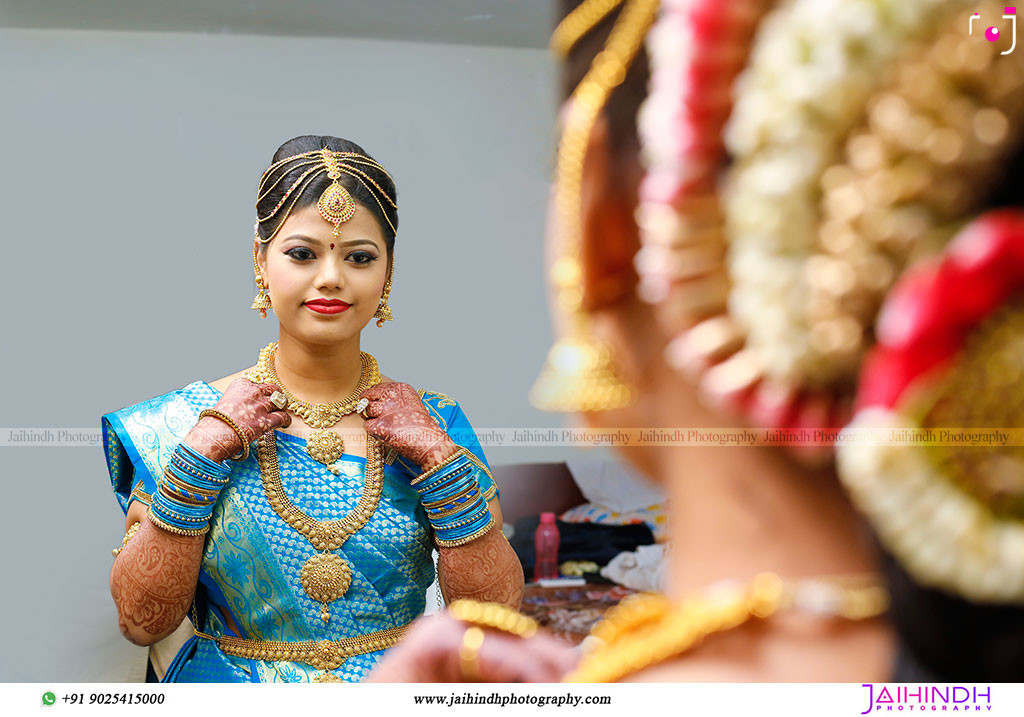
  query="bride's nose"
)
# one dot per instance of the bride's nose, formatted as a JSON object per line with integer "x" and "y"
{"x": 330, "y": 275}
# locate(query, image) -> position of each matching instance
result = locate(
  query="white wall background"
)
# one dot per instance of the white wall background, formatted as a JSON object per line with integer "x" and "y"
{"x": 130, "y": 162}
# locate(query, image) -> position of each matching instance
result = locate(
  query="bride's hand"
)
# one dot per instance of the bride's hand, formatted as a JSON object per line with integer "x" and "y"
{"x": 248, "y": 405}
{"x": 397, "y": 416}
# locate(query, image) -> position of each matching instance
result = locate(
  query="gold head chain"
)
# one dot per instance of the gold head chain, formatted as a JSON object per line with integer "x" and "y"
{"x": 336, "y": 204}
{"x": 579, "y": 374}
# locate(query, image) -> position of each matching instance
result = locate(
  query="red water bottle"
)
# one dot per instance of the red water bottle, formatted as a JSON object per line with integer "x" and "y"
{"x": 545, "y": 540}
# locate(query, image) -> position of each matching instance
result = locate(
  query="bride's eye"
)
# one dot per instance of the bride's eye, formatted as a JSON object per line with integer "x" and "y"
{"x": 301, "y": 253}
{"x": 362, "y": 257}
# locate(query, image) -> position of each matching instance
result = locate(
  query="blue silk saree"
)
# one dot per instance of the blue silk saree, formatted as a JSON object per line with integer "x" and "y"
{"x": 252, "y": 558}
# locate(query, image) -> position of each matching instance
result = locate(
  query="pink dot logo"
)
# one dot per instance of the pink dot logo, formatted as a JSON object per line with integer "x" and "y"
{"x": 992, "y": 34}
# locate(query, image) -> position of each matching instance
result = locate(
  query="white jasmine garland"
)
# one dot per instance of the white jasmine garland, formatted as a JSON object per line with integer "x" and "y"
{"x": 813, "y": 67}
{"x": 943, "y": 536}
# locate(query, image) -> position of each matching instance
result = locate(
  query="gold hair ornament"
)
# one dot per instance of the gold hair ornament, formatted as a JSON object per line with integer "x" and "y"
{"x": 579, "y": 374}
{"x": 335, "y": 205}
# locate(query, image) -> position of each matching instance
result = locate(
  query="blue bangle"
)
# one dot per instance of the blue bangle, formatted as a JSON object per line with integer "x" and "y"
{"x": 194, "y": 479}
{"x": 440, "y": 483}
{"x": 450, "y": 466}
{"x": 448, "y": 485}
{"x": 197, "y": 459}
{"x": 461, "y": 535}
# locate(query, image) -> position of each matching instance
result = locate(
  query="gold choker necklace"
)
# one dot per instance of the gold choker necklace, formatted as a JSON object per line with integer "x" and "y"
{"x": 324, "y": 446}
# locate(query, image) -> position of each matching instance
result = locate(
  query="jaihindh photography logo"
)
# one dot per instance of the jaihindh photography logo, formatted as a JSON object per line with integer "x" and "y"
{"x": 992, "y": 33}
{"x": 927, "y": 698}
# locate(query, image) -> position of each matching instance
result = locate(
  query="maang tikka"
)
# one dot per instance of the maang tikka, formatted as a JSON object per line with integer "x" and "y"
{"x": 335, "y": 204}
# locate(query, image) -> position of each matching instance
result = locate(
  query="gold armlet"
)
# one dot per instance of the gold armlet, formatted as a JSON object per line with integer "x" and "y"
{"x": 132, "y": 530}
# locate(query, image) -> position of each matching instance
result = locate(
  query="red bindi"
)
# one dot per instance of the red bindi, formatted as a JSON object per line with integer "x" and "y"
{"x": 332, "y": 246}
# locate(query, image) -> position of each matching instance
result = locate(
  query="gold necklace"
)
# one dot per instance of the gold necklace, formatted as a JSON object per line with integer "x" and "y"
{"x": 648, "y": 629}
{"x": 325, "y": 577}
{"x": 324, "y": 446}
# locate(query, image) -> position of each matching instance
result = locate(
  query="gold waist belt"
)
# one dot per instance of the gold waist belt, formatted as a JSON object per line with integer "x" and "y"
{"x": 321, "y": 654}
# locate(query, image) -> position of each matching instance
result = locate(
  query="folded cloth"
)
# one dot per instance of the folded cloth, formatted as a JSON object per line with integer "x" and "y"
{"x": 642, "y": 570}
{"x": 579, "y": 541}
{"x": 655, "y": 516}
{"x": 614, "y": 484}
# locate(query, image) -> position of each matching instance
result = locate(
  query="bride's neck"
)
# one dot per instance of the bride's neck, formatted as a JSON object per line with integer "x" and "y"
{"x": 736, "y": 512}
{"x": 317, "y": 373}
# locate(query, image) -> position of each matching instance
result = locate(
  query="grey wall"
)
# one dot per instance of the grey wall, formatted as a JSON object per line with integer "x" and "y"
{"x": 130, "y": 162}
{"x": 510, "y": 23}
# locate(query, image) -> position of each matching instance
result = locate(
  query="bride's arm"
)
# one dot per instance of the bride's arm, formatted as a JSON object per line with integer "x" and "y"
{"x": 486, "y": 569}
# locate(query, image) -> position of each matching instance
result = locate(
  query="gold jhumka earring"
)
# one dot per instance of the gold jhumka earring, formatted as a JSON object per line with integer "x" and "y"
{"x": 262, "y": 301}
{"x": 579, "y": 374}
{"x": 383, "y": 312}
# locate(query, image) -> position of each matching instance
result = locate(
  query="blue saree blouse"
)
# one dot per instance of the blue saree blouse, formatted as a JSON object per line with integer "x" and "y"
{"x": 252, "y": 558}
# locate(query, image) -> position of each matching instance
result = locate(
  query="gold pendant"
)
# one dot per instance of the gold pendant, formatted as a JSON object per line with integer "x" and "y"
{"x": 336, "y": 205}
{"x": 327, "y": 677}
{"x": 325, "y": 446}
{"x": 325, "y": 577}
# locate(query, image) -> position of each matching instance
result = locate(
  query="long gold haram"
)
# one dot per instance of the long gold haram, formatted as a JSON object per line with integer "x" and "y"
{"x": 325, "y": 577}
{"x": 323, "y": 446}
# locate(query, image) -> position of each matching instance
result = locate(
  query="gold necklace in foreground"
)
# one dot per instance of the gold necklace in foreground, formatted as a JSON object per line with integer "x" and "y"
{"x": 648, "y": 629}
{"x": 323, "y": 445}
{"x": 325, "y": 577}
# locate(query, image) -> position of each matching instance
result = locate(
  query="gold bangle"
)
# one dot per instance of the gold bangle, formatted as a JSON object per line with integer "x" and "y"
{"x": 132, "y": 530}
{"x": 469, "y": 538}
{"x": 234, "y": 427}
{"x": 468, "y": 489}
{"x": 466, "y": 508}
{"x": 493, "y": 615}
{"x": 458, "y": 524}
{"x": 191, "y": 532}
{"x": 426, "y": 474}
{"x": 469, "y": 654}
{"x": 170, "y": 478}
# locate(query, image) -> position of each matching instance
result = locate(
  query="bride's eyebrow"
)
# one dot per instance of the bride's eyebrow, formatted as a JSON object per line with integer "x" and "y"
{"x": 317, "y": 242}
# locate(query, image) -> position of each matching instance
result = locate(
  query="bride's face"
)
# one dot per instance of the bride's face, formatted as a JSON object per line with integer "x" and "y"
{"x": 309, "y": 271}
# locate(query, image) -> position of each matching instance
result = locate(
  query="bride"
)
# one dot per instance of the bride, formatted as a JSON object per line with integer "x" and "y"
{"x": 305, "y": 556}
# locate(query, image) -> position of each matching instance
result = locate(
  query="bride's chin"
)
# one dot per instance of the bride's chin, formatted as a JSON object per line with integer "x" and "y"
{"x": 325, "y": 335}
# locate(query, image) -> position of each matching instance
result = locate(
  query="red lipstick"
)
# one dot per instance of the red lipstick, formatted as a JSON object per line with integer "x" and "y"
{"x": 327, "y": 306}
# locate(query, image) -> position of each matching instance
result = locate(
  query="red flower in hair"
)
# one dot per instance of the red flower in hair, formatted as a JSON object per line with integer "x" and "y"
{"x": 936, "y": 304}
